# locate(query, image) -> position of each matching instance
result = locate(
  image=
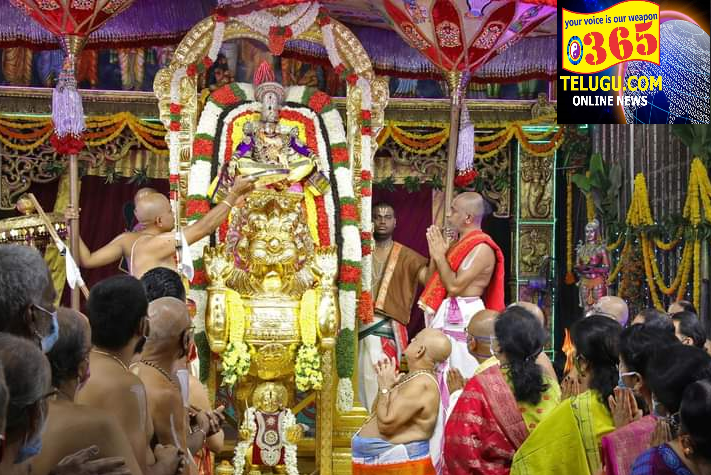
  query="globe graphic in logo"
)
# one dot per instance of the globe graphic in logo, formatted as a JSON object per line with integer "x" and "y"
{"x": 684, "y": 69}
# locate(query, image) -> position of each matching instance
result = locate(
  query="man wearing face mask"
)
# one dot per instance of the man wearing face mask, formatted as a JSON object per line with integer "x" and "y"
{"x": 169, "y": 340}
{"x": 27, "y": 296}
{"x": 69, "y": 359}
{"x": 27, "y": 310}
{"x": 117, "y": 315}
{"x": 28, "y": 378}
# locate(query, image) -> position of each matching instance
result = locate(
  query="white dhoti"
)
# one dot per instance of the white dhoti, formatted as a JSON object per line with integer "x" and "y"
{"x": 452, "y": 318}
{"x": 375, "y": 342}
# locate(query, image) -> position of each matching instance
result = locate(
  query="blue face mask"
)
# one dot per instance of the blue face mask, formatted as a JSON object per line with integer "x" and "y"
{"x": 48, "y": 341}
{"x": 30, "y": 448}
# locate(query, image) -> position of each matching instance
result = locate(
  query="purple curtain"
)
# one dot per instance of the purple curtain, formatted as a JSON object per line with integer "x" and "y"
{"x": 413, "y": 212}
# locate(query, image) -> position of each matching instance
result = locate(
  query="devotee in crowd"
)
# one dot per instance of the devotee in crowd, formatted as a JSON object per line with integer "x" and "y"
{"x": 469, "y": 277}
{"x": 169, "y": 341}
{"x": 651, "y": 317}
{"x": 27, "y": 310}
{"x": 480, "y": 344}
{"x": 406, "y": 425}
{"x": 634, "y": 424}
{"x": 27, "y": 296}
{"x": 117, "y": 316}
{"x": 155, "y": 245}
{"x": 501, "y": 404}
{"x": 670, "y": 374}
{"x": 28, "y": 378}
{"x": 69, "y": 359}
{"x": 568, "y": 440}
{"x": 689, "y": 329}
{"x": 397, "y": 270}
{"x": 164, "y": 282}
{"x": 543, "y": 360}
{"x": 681, "y": 306}
{"x": 613, "y": 307}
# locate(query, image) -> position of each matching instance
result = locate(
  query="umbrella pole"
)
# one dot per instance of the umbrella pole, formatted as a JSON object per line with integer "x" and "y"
{"x": 74, "y": 222}
{"x": 454, "y": 78}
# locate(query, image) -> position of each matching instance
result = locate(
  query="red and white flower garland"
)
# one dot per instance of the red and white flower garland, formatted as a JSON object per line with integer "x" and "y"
{"x": 347, "y": 305}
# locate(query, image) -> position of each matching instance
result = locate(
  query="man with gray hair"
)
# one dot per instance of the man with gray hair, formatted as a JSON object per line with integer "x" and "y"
{"x": 27, "y": 296}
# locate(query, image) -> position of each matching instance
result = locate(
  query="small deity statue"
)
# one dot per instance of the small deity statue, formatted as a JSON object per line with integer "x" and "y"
{"x": 592, "y": 266}
{"x": 272, "y": 432}
{"x": 543, "y": 107}
{"x": 274, "y": 156}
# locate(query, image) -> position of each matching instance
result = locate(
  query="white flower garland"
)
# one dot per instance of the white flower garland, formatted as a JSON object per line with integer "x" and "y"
{"x": 241, "y": 448}
{"x": 347, "y": 299}
{"x": 299, "y": 19}
{"x": 287, "y": 422}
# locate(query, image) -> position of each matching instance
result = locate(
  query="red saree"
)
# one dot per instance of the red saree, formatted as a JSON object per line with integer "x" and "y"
{"x": 485, "y": 428}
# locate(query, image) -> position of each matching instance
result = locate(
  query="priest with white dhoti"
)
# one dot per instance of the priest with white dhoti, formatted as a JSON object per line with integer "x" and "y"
{"x": 469, "y": 277}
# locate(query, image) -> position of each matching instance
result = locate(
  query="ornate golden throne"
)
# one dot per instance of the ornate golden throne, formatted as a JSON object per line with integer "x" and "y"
{"x": 278, "y": 288}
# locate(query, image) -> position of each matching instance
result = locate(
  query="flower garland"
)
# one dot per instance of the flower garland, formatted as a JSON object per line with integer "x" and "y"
{"x": 283, "y": 28}
{"x": 487, "y": 146}
{"x": 356, "y": 268}
{"x": 236, "y": 358}
{"x": 249, "y": 426}
{"x": 308, "y": 361}
{"x": 100, "y": 130}
{"x": 569, "y": 276}
{"x": 288, "y": 421}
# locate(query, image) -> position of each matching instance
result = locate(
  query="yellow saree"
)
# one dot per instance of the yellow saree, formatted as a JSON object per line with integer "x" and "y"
{"x": 568, "y": 440}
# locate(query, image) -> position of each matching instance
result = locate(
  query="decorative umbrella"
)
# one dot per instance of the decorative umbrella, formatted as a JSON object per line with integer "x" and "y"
{"x": 72, "y": 21}
{"x": 460, "y": 36}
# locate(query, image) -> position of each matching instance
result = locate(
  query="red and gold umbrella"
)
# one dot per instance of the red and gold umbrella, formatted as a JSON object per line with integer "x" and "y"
{"x": 459, "y": 36}
{"x": 72, "y": 21}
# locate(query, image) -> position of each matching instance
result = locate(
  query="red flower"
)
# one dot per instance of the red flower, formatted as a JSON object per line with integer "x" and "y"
{"x": 349, "y": 212}
{"x": 197, "y": 207}
{"x": 322, "y": 219}
{"x": 366, "y": 175}
{"x": 175, "y": 126}
{"x": 175, "y": 108}
{"x": 318, "y": 101}
{"x": 225, "y": 96}
{"x": 349, "y": 274}
{"x": 67, "y": 145}
{"x": 339, "y": 155}
{"x": 340, "y": 69}
{"x": 203, "y": 147}
{"x": 219, "y": 15}
{"x": 465, "y": 178}
{"x": 366, "y": 191}
{"x": 207, "y": 61}
{"x": 365, "y": 308}
{"x": 365, "y": 114}
{"x": 352, "y": 79}
{"x": 366, "y": 130}
{"x": 323, "y": 17}
{"x": 192, "y": 70}
{"x": 173, "y": 178}
{"x": 199, "y": 278}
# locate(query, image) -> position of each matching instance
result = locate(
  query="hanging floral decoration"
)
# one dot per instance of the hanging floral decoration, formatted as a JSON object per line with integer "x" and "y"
{"x": 569, "y": 259}
{"x": 25, "y": 134}
{"x": 487, "y": 146}
{"x": 697, "y": 210}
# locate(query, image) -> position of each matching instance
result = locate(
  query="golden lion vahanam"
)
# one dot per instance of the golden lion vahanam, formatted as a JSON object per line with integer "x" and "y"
{"x": 271, "y": 306}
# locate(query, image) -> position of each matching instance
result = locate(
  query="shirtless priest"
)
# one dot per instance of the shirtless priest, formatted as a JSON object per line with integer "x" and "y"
{"x": 469, "y": 277}
{"x": 397, "y": 270}
{"x": 404, "y": 433}
{"x": 155, "y": 245}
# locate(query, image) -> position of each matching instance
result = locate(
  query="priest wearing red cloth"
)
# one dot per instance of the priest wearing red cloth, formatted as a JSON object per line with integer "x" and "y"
{"x": 469, "y": 277}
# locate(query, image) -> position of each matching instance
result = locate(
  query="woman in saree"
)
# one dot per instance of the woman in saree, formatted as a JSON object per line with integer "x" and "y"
{"x": 633, "y": 433}
{"x": 568, "y": 440}
{"x": 671, "y": 373}
{"x": 501, "y": 404}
